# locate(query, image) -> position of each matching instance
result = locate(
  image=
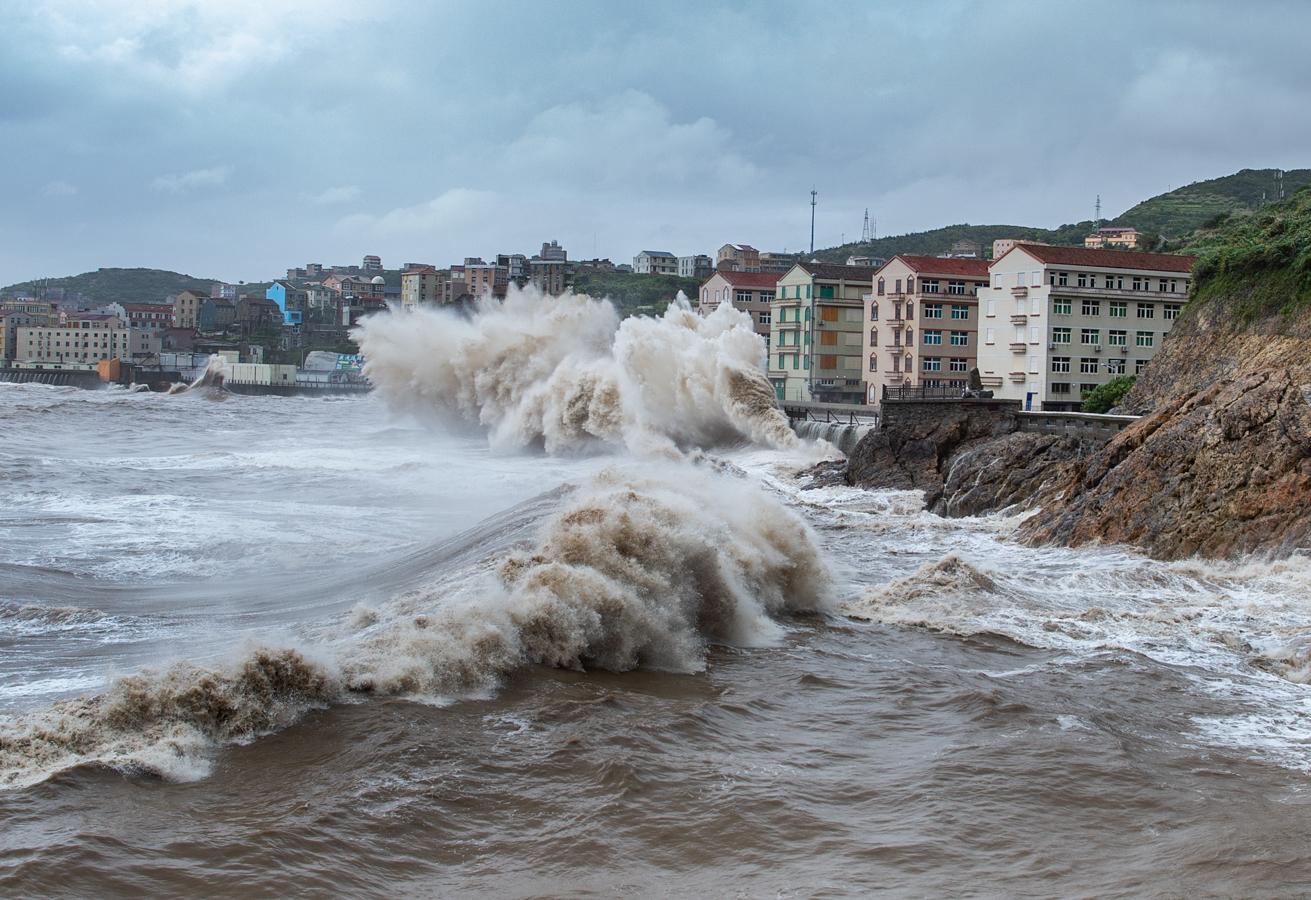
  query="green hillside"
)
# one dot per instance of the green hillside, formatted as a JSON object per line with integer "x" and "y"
{"x": 939, "y": 240}
{"x": 632, "y": 293}
{"x": 1186, "y": 209}
{"x": 119, "y": 285}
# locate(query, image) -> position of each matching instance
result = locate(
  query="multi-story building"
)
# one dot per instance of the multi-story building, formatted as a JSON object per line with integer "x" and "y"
{"x": 145, "y": 316}
{"x": 46, "y": 310}
{"x": 291, "y": 300}
{"x": 738, "y": 258}
{"x": 1113, "y": 238}
{"x": 554, "y": 252}
{"x": 420, "y": 286}
{"x": 698, "y": 266}
{"x": 223, "y": 290}
{"x": 816, "y": 324}
{"x": 550, "y": 276}
{"x": 751, "y": 292}
{"x": 965, "y": 249}
{"x": 921, "y": 323}
{"x": 84, "y": 340}
{"x": 484, "y": 279}
{"x": 516, "y": 267}
{"x": 655, "y": 262}
{"x": 778, "y": 262}
{"x": 1056, "y": 322}
{"x": 186, "y": 308}
{"x": 216, "y": 314}
{"x": 872, "y": 261}
{"x": 371, "y": 263}
{"x": 10, "y": 322}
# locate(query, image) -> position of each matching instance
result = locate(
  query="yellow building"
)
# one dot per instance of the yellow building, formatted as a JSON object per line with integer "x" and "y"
{"x": 1111, "y": 238}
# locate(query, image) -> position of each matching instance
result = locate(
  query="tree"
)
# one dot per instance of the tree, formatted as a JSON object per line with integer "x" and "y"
{"x": 1107, "y": 396}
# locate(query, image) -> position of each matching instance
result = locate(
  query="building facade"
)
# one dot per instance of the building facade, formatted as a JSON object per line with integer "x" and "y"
{"x": 921, "y": 323}
{"x": 1113, "y": 238}
{"x": 816, "y": 325}
{"x": 186, "y": 309}
{"x": 550, "y": 276}
{"x": 751, "y": 292}
{"x": 699, "y": 266}
{"x": 420, "y": 286}
{"x": 738, "y": 258}
{"x": 84, "y": 340}
{"x": 655, "y": 262}
{"x": 291, "y": 300}
{"x": 778, "y": 263}
{"x": 216, "y": 314}
{"x": 10, "y": 322}
{"x": 1056, "y": 322}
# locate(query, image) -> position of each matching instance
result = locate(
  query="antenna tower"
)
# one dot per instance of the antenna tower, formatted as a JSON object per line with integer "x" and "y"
{"x": 1097, "y": 216}
{"x": 1279, "y": 184}
{"x": 813, "y": 194}
{"x": 865, "y": 235}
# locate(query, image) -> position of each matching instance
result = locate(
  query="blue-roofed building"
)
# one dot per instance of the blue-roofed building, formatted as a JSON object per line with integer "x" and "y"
{"x": 290, "y": 300}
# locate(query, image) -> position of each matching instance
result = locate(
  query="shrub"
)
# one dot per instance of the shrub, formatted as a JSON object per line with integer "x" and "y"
{"x": 1107, "y": 396}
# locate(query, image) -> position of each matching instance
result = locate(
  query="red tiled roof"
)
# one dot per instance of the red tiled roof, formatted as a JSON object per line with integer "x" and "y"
{"x": 1118, "y": 259}
{"x": 750, "y": 279}
{"x": 939, "y": 265}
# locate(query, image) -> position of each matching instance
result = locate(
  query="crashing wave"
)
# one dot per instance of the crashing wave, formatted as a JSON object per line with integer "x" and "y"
{"x": 565, "y": 373}
{"x": 939, "y": 595}
{"x": 638, "y": 570}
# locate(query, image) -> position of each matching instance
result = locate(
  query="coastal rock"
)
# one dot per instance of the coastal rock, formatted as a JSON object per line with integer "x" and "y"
{"x": 1016, "y": 471}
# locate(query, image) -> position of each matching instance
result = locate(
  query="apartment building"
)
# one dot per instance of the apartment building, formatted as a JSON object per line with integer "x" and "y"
{"x": 419, "y": 287}
{"x": 816, "y": 324}
{"x": 485, "y": 279}
{"x": 738, "y": 258}
{"x": 921, "y": 323}
{"x": 186, "y": 308}
{"x": 1056, "y": 322}
{"x": 697, "y": 266}
{"x": 146, "y": 316}
{"x": 1113, "y": 238}
{"x": 85, "y": 339}
{"x": 778, "y": 262}
{"x": 550, "y": 276}
{"x": 655, "y": 262}
{"x": 10, "y": 322}
{"x": 751, "y": 292}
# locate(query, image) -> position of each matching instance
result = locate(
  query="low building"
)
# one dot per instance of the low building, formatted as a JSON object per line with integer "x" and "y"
{"x": 255, "y": 313}
{"x": 216, "y": 314}
{"x": 751, "y": 292}
{"x": 699, "y": 266}
{"x": 738, "y": 258}
{"x": 420, "y": 286}
{"x": 1056, "y": 322}
{"x": 595, "y": 265}
{"x": 655, "y": 262}
{"x": 186, "y": 308}
{"x": 84, "y": 340}
{"x": 965, "y": 249}
{"x": 921, "y": 323}
{"x": 872, "y": 261}
{"x": 816, "y": 341}
{"x": 1113, "y": 238}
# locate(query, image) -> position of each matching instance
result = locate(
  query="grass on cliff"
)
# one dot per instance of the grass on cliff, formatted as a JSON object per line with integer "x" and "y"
{"x": 1258, "y": 265}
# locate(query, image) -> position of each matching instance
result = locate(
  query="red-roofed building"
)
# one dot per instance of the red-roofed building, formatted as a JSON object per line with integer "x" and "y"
{"x": 750, "y": 292}
{"x": 1056, "y": 322}
{"x": 921, "y": 324}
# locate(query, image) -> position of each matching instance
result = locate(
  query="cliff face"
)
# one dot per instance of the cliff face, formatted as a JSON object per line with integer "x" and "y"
{"x": 1220, "y": 466}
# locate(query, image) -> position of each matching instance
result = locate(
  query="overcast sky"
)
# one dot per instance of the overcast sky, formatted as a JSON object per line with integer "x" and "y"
{"x": 233, "y": 138}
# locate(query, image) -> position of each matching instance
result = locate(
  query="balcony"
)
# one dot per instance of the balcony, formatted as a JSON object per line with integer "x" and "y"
{"x": 1119, "y": 293}
{"x": 1020, "y": 319}
{"x": 991, "y": 381}
{"x": 788, "y": 326}
{"x": 1017, "y": 377}
{"x": 1019, "y": 347}
{"x": 1019, "y": 291}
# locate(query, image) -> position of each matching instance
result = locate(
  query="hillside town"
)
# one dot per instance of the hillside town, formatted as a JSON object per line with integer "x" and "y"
{"x": 1032, "y": 322}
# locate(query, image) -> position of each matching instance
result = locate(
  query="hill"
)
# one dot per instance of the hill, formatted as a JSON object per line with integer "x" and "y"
{"x": 1186, "y": 209}
{"x": 939, "y": 240}
{"x": 632, "y": 293}
{"x": 119, "y": 285}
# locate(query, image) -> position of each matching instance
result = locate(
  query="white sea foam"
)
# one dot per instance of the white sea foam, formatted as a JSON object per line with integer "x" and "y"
{"x": 566, "y": 374}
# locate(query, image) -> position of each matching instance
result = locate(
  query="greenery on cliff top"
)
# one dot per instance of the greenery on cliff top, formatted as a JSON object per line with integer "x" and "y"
{"x": 1260, "y": 264}
{"x": 632, "y": 294}
{"x": 939, "y": 240}
{"x": 1184, "y": 210}
{"x": 1106, "y": 397}
{"x": 120, "y": 285}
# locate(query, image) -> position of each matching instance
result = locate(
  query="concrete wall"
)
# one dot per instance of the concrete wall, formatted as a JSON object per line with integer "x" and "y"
{"x": 1085, "y": 425}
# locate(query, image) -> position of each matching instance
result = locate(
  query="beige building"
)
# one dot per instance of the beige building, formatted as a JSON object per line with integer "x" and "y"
{"x": 550, "y": 276}
{"x": 778, "y": 263}
{"x": 186, "y": 309}
{"x": 751, "y": 292}
{"x": 420, "y": 286}
{"x": 85, "y": 340}
{"x": 816, "y": 323}
{"x": 738, "y": 258}
{"x": 921, "y": 323}
{"x": 1056, "y": 322}
{"x": 1113, "y": 238}
{"x": 10, "y": 322}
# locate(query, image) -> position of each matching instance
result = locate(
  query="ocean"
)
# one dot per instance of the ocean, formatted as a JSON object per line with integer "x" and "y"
{"x": 307, "y": 646}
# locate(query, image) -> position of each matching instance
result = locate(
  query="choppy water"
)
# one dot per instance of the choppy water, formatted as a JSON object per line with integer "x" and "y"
{"x": 968, "y": 716}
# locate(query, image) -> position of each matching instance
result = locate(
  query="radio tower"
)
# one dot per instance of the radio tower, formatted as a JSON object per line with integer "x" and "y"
{"x": 1097, "y": 216}
{"x": 1279, "y": 184}
{"x": 813, "y": 192}
{"x": 865, "y": 234}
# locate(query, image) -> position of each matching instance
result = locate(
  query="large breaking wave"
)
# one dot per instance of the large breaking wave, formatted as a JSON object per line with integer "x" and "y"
{"x": 566, "y": 374}
{"x": 640, "y": 568}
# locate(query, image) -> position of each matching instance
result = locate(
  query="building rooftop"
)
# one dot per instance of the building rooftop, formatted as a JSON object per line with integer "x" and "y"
{"x": 749, "y": 279}
{"x": 661, "y": 253}
{"x": 945, "y": 265}
{"x": 837, "y": 270}
{"x": 1119, "y": 259}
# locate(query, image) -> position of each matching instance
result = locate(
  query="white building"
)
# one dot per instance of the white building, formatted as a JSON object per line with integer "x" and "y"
{"x": 85, "y": 340}
{"x": 1056, "y": 322}
{"x": 655, "y": 262}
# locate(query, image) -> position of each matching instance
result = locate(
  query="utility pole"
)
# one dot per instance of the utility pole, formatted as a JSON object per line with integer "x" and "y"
{"x": 813, "y": 193}
{"x": 1097, "y": 216}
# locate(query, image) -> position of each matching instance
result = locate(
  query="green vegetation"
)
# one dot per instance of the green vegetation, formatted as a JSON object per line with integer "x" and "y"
{"x": 1107, "y": 396}
{"x": 119, "y": 285}
{"x": 1258, "y": 265}
{"x": 939, "y": 240}
{"x": 636, "y": 294}
{"x": 1208, "y": 203}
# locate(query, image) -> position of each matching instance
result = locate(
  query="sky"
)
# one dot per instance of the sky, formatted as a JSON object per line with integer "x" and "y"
{"x": 234, "y": 138}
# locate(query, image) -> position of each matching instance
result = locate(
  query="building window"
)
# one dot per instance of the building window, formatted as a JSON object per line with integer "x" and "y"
{"x": 1115, "y": 282}
{"x": 1144, "y": 339}
{"x": 897, "y": 288}
{"x": 1062, "y": 307}
{"x": 1060, "y": 335}
{"x": 1115, "y": 366}
{"x": 1090, "y": 336}
{"x": 1085, "y": 279}
{"x": 1146, "y": 310}
{"x": 1062, "y": 279}
{"x": 910, "y": 285}
{"x": 990, "y": 336}
{"x": 1117, "y": 338}
{"x": 960, "y": 338}
{"x": 743, "y": 297}
{"x": 1088, "y": 365}
{"x": 929, "y": 286}
{"x": 1060, "y": 364}
{"x": 1138, "y": 365}
{"x": 826, "y": 292}
{"x": 960, "y": 313}
{"x": 874, "y": 312}
{"x": 764, "y": 318}
{"x": 1119, "y": 309}
{"x": 1142, "y": 283}
{"x": 932, "y": 364}
{"x": 932, "y": 337}
{"x": 880, "y": 288}
{"x": 997, "y": 280}
{"x": 1171, "y": 311}
{"x": 932, "y": 310}
{"x": 1060, "y": 387}
{"x": 992, "y": 308}
{"x": 1091, "y": 308}
{"x": 958, "y": 365}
